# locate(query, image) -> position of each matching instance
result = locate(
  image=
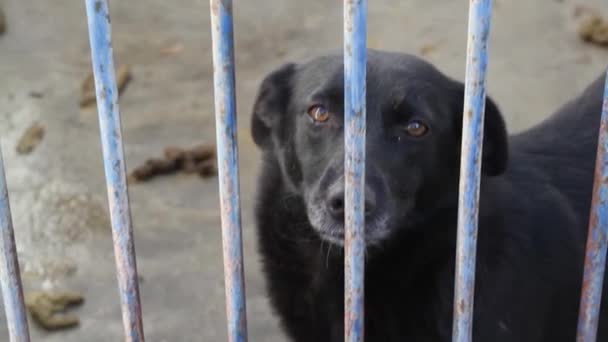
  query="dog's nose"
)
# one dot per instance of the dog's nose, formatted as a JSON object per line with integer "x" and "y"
{"x": 335, "y": 202}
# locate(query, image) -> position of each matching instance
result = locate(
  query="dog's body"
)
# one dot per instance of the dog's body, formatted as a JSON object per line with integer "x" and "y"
{"x": 532, "y": 220}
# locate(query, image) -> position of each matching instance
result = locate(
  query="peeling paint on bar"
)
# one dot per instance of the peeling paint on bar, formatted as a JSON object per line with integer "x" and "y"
{"x": 114, "y": 165}
{"x": 355, "y": 61}
{"x": 10, "y": 277}
{"x": 472, "y": 140}
{"x": 227, "y": 154}
{"x": 595, "y": 259}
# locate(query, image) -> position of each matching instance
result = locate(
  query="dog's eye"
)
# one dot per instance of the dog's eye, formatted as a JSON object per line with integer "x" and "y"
{"x": 318, "y": 113}
{"x": 416, "y": 128}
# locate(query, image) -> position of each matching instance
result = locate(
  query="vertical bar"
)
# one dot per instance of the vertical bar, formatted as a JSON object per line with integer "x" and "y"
{"x": 355, "y": 61}
{"x": 114, "y": 165}
{"x": 470, "y": 169}
{"x": 595, "y": 259}
{"x": 10, "y": 277}
{"x": 227, "y": 154}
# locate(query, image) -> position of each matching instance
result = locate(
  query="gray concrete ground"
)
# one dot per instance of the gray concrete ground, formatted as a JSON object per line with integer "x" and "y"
{"x": 57, "y": 192}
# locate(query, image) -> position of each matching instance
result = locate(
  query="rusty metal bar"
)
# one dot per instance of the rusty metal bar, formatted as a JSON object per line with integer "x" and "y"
{"x": 355, "y": 60}
{"x": 480, "y": 12}
{"x": 114, "y": 165}
{"x": 228, "y": 171}
{"x": 10, "y": 277}
{"x": 595, "y": 259}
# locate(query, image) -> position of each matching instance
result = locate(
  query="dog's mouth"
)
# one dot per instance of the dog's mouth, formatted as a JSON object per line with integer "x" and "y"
{"x": 335, "y": 237}
{"x": 377, "y": 227}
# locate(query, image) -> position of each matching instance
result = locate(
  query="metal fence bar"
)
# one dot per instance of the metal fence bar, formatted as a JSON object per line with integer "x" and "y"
{"x": 10, "y": 277}
{"x": 114, "y": 165}
{"x": 227, "y": 156}
{"x": 595, "y": 259}
{"x": 355, "y": 61}
{"x": 480, "y": 12}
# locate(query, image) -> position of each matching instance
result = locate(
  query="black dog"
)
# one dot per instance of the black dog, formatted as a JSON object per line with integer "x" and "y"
{"x": 535, "y": 196}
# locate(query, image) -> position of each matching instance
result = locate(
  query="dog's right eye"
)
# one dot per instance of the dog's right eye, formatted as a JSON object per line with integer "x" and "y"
{"x": 416, "y": 128}
{"x": 318, "y": 113}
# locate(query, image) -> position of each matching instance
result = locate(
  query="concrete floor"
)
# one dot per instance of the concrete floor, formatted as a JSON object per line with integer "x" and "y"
{"x": 58, "y": 192}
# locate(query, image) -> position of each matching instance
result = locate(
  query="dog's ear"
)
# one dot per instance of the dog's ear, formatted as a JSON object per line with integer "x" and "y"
{"x": 271, "y": 103}
{"x": 495, "y": 154}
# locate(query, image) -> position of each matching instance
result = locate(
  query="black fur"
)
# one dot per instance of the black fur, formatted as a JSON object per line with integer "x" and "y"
{"x": 535, "y": 197}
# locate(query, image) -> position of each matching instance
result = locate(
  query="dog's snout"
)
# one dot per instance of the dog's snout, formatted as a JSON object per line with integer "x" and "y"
{"x": 335, "y": 202}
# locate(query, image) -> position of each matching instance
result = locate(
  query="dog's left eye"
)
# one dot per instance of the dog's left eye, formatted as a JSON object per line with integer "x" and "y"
{"x": 416, "y": 128}
{"x": 318, "y": 113}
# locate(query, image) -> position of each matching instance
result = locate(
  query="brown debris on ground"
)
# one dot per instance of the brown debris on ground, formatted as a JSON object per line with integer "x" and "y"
{"x": 49, "y": 309}
{"x": 87, "y": 89}
{"x": 427, "y": 49}
{"x": 30, "y": 138}
{"x": 199, "y": 159}
{"x": 594, "y": 29}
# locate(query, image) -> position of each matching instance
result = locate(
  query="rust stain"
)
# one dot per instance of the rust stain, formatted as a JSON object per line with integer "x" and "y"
{"x": 596, "y": 236}
{"x": 215, "y": 7}
{"x": 87, "y": 88}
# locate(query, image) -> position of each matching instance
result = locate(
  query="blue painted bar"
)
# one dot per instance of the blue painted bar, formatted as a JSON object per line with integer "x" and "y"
{"x": 595, "y": 258}
{"x": 10, "y": 277}
{"x": 228, "y": 171}
{"x": 355, "y": 61}
{"x": 480, "y": 12}
{"x": 114, "y": 166}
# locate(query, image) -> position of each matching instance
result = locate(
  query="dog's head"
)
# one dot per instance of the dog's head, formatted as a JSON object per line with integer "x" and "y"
{"x": 414, "y": 125}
